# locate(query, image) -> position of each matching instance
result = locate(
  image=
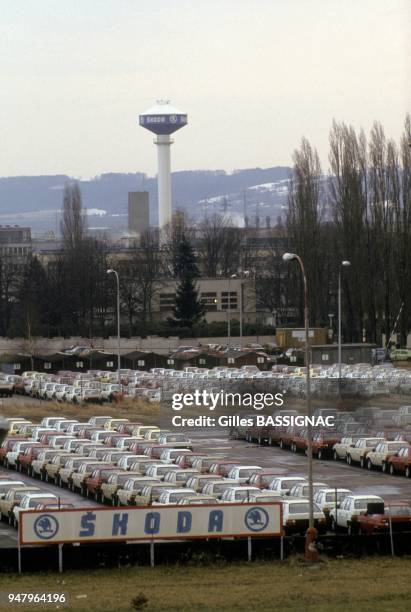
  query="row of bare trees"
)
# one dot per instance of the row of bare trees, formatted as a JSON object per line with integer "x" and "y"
{"x": 360, "y": 213}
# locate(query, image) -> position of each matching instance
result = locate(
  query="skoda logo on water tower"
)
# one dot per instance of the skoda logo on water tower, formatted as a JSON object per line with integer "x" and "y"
{"x": 163, "y": 119}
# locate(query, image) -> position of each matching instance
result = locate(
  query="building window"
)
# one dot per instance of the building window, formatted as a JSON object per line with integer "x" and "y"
{"x": 170, "y": 361}
{"x": 260, "y": 359}
{"x": 110, "y": 364}
{"x": 17, "y": 366}
{"x": 229, "y": 299}
{"x": 141, "y": 363}
{"x": 209, "y": 300}
{"x": 47, "y": 365}
{"x": 325, "y": 357}
{"x": 230, "y": 360}
{"x": 79, "y": 364}
{"x": 167, "y": 301}
{"x": 202, "y": 361}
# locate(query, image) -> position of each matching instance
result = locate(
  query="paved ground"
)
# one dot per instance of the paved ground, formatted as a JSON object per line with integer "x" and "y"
{"x": 289, "y": 464}
{"x": 285, "y": 462}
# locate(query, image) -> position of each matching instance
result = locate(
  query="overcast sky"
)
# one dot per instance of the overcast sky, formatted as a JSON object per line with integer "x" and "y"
{"x": 253, "y": 75}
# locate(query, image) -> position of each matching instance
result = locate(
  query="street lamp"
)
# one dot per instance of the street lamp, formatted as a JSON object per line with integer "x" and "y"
{"x": 346, "y": 264}
{"x": 292, "y": 257}
{"x": 118, "y": 325}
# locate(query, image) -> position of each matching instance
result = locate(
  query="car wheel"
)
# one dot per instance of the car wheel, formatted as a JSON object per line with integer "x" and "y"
{"x": 392, "y": 469}
{"x": 6, "y": 463}
{"x": 349, "y": 459}
{"x": 407, "y": 471}
{"x": 294, "y": 448}
{"x": 260, "y": 441}
{"x": 320, "y": 454}
{"x": 46, "y": 477}
{"x": 362, "y": 462}
{"x": 270, "y": 441}
{"x": 369, "y": 465}
{"x": 335, "y": 456}
{"x": 384, "y": 467}
{"x": 281, "y": 444}
{"x": 334, "y": 526}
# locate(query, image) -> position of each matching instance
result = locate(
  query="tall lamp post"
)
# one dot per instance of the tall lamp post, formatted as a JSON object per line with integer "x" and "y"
{"x": 118, "y": 324}
{"x": 292, "y": 257}
{"x": 346, "y": 264}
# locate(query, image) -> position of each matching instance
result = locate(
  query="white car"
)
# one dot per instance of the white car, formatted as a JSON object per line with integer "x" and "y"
{"x": 296, "y": 516}
{"x": 11, "y": 457}
{"x": 327, "y": 499}
{"x": 403, "y": 416}
{"x": 127, "y": 461}
{"x": 179, "y": 477}
{"x": 378, "y": 458}
{"x": 340, "y": 448}
{"x": 30, "y": 502}
{"x": 169, "y": 454}
{"x": 172, "y": 496}
{"x": 242, "y": 473}
{"x": 216, "y": 488}
{"x": 159, "y": 470}
{"x": 284, "y": 484}
{"x": 73, "y": 395}
{"x": 6, "y": 485}
{"x": 351, "y": 507}
{"x": 238, "y": 494}
{"x": 357, "y": 453}
{"x": 301, "y": 489}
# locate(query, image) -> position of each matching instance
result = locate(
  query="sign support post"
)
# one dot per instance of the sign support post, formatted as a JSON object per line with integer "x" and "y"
{"x": 152, "y": 553}
{"x": 249, "y": 549}
{"x": 60, "y": 547}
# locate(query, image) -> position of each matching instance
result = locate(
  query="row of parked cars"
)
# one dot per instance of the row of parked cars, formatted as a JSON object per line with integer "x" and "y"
{"x": 95, "y": 386}
{"x": 387, "y": 449}
{"x": 119, "y": 462}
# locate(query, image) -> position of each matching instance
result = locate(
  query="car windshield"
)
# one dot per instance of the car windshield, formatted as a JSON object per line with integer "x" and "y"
{"x": 361, "y": 504}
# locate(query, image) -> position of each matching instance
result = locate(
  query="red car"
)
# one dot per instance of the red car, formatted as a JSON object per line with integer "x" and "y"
{"x": 7, "y": 446}
{"x": 398, "y": 513}
{"x": 98, "y": 476}
{"x": 262, "y": 479}
{"x": 127, "y": 428}
{"x": 323, "y": 442}
{"x": 275, "y": 434}
{"x": 32, "y": 453}
{"x": 299, "y": 441}
{"x": 286, "y": 438}
{"x": 25, "y": 458}
{"x": 401, "y": 462}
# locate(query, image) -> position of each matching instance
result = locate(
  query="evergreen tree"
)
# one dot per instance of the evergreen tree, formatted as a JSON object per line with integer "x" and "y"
{"x": 188, "y": 308}
{"x": 184, "y": 260}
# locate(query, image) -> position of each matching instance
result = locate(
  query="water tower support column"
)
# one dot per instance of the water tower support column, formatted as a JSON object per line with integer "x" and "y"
{"x": 164, "y": 143}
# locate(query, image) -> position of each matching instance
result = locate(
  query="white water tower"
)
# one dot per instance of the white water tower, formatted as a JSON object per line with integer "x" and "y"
{"x": 163, "y": 119}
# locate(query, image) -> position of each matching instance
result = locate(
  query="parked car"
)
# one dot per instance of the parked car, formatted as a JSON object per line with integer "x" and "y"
{"x": 296, "y": 516}
{"x": 179, "y": 477}
{"x": 301, "y": 489}
{"x": 243, "y": 473}
{"x": 401, "y": 462}
{"x": 216, "y": 488}
{"x": 340, "y": 448}
{"x": 12, "y": 498}
{"x": 283, "y": 484}
{"x": 378, "y": 458}
{"x": 133, "y": 486}
{"x": 238, "y": 494}
{"x": 329, "y": 498}
{"x": 115, "y": 481}
{"x": 357, "y": 453}
{"x": 350, "y": 508}
{"x": 29, "y": 502}
{"x": 171, "y": 496}
{"x": 398, "y": 514}
{"x": 403, "y": 417}
{"x": 198, "y": 482}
